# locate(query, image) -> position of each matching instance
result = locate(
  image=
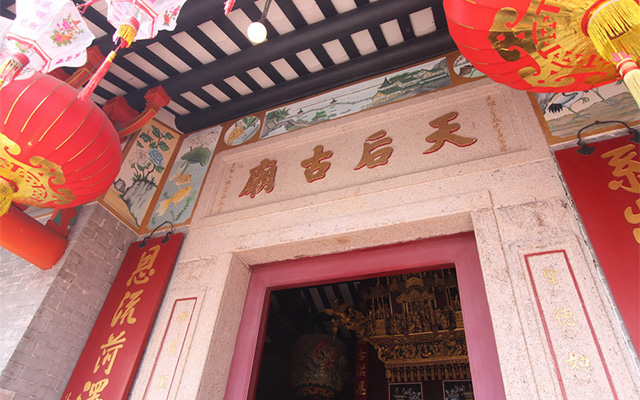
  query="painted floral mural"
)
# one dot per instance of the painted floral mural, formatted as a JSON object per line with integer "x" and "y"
{"x": 180, "y": 192}
{"x": 141, "y": 173}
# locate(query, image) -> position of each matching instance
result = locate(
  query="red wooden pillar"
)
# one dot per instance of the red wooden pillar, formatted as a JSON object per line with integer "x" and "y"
{"x": 30, "y": 240}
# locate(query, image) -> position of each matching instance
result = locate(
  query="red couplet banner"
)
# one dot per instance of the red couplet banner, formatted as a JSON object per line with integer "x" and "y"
{"x": 110, "y": 358}
{"x": 606, "y": 189}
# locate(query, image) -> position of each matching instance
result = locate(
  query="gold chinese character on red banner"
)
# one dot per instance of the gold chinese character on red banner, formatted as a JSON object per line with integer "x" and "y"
{"x": 362, "y": 355}
{"x": 109, "y": 352}
{"x": 633, "y": 218}
{"x": 144, "y": 270}
{"x": 315, "y": 167}
{"x": 127, "y": 308}
{"x": 624, "y": 166}
{"x": 444, "y": 133}
{"x": 372, "y": 154}
{"x": 261, "y": 177}
{"x": 94, "y": 389}
{"x": 362, "y": 390}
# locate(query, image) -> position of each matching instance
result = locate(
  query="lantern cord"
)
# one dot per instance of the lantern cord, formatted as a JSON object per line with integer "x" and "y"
{"x": 83, "y": 7}
{"x": 263, "y": 17}
{"x": 97, "y": 77}
{"x": 228, "y": 6}
{"x": 164, "y": 240}
{"x": 124, "y": 36}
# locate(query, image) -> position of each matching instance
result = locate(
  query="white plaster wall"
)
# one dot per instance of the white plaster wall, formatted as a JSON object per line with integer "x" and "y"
{"x": 507, "y": 190}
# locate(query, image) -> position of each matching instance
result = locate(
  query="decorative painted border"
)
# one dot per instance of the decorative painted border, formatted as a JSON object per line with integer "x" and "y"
{"x": 152, "y": 377}
{"x": 584, "y": 310}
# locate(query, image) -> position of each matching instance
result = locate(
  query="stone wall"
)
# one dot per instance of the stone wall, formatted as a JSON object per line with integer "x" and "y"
{"x": 53, "y": 311}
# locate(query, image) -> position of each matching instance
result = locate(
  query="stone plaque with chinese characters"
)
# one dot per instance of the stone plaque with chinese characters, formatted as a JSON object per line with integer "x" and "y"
{"x": 567, "y": 326}
{"x": 164, "y": 371}
{"x": 110, "y": 358}
{"x": 417, "y": 140}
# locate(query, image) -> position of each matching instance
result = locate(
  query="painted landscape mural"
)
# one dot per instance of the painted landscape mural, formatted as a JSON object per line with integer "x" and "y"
{"x": 566, "y": 113}
{"x": 141, "y": 172}
{"x": 337, "y": 103}
{"x": 462, "y": 67}
{"x": 180, "y": 191}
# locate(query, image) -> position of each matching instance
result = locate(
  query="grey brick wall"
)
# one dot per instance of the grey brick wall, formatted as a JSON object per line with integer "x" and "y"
{"x": 55, "y": 310}
{"x": 22, "y": 288}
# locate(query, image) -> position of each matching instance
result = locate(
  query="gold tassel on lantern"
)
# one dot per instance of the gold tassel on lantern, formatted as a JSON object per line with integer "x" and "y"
{"x": 127, "y": 32}
{"x": 614, "y": 26}
{"x": 6, "y": 195}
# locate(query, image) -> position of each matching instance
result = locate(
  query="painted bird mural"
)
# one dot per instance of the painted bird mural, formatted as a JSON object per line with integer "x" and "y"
{"x": 556, "y": 102}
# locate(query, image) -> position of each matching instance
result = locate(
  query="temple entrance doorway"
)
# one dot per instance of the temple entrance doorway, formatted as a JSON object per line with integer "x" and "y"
{"x": 421, "y": 275}
{"x": 396, "y": 337}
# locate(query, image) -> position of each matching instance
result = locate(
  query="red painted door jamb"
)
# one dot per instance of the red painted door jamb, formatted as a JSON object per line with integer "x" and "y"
{"x": 387, "y": 260}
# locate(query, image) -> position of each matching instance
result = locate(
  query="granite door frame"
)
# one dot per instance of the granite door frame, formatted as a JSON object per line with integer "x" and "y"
{"x": 427, "y": 254}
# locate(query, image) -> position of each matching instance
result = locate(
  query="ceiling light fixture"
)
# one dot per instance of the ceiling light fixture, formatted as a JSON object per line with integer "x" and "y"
{"x": 257, "y": 32}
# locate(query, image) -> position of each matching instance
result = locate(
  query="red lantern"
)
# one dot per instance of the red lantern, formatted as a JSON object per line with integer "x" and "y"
{"x": 55, "y": 150}
{"x": 543, "y": 46}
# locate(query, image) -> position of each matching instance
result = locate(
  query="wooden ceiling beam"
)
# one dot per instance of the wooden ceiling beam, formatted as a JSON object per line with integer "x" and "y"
{"x": 387, "y": 59}
{"x": 193, "y": 13}
{"x": 282, "y": 46}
